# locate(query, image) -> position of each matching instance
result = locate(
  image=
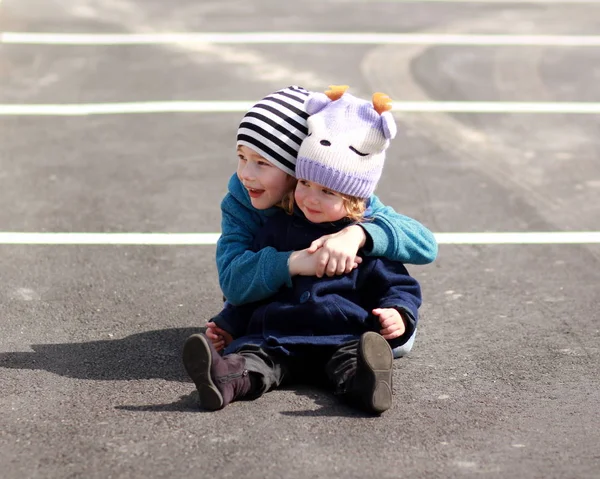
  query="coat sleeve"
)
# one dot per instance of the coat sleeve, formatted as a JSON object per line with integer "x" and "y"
{"x": 234, "y": 319}
{"x": 244, "y": 275}
{"x": 397, "y": 237}
{"x": 389, "y": 285}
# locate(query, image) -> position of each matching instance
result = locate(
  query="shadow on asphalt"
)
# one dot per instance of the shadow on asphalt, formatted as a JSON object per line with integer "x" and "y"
{"x": 147, "y": 355}
{"x": 187, "y": 403}
{"x": 330, "y": 406}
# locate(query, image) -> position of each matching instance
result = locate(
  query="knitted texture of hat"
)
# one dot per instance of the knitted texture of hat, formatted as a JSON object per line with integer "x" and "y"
{"x": 276, "y": 126}
{"x": 345, "y": 148}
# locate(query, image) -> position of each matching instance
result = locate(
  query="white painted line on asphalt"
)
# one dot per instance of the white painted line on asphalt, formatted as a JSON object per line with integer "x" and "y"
{"x": 520, "y": 2}
{"x": 173, "y": 239}
{"x": 243, "y": 106}
{"x": 296, "y": 38}
{"x": 127, "y": 107}
{"x": 551, "y": 237}
{"x": 168, "y": 239}
{"x": 496, "y": 107}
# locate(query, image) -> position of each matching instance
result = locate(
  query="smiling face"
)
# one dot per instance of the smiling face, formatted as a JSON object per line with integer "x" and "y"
{"x": 266, "y": 184}
{"x": 319, "y": 204}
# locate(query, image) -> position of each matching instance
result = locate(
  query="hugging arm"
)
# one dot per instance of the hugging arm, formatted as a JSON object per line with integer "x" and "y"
{"x": 246, "y": 275}
{"x": 397, "y": 237}
{"x": 383, "y": 233}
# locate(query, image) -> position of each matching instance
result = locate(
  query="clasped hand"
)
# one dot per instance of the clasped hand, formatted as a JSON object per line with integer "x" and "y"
{"x": 392, "y": 322}
{"x": 330, "y": 255}
{"x": 217, "y": 336}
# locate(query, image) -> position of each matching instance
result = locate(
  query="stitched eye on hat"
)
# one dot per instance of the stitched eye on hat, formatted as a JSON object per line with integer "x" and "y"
{"x": 359, "y": 153}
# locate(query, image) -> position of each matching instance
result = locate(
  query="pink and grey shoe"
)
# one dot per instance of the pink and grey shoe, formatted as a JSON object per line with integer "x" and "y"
{"x": 219, "y": 380}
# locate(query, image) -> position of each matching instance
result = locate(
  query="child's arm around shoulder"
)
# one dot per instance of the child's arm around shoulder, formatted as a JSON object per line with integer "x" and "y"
{"x": 384, "y": 233}
{"x": 245, "y": 275}
{"x": 397, "y": 237}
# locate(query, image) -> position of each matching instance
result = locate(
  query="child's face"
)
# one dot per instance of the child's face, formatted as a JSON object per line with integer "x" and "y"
{"x": 266, "y": 184}
{"x": 319, "y": 204}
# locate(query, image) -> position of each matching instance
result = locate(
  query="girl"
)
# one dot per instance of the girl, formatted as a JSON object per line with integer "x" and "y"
{"x": 319, "y": 329}
{"x": 268, "y": 140}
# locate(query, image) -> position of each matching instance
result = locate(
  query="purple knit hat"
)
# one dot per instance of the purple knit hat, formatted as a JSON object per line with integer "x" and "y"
{"x": 347, "y": 138}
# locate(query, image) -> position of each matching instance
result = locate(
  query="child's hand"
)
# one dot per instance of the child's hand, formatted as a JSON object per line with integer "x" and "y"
{"x": 303, "y": 263}
{"x": 337, "y": 252}
{"x": 392, "y": 323}
{"x": 217, "y": 336}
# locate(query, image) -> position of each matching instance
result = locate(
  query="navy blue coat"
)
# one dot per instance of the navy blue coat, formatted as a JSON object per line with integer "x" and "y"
{"x": 320, "y": 311}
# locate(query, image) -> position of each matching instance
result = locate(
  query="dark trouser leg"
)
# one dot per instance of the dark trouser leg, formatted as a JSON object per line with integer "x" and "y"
{"x": 266, "y": 371}
{"x": 341, "y": 368}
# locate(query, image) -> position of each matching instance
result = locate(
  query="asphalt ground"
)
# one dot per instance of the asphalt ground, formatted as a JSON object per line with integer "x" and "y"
{"x": 503, "y": 381}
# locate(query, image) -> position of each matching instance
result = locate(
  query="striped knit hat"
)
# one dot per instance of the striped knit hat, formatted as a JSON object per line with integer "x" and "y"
{"x": 276, "y": 126}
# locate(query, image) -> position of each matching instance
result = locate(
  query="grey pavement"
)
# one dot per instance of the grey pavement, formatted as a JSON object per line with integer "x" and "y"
{"x": 503, "y": 381}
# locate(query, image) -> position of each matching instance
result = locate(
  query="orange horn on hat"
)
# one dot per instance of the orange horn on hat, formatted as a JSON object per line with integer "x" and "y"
{"x": 381, "y": 102}
{"x": 335, "y": 92}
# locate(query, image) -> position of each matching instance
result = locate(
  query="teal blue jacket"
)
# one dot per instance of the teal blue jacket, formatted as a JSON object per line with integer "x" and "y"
{"x": 246, "y": 276}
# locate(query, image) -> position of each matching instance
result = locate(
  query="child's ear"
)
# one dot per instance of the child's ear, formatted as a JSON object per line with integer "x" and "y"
{"x": 389, "y": 125}
{"x": 316, "y": 102}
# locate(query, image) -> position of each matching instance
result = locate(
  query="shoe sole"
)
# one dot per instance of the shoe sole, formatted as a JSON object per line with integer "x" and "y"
{"x": 197, "y": 359}
{"x": 379, "y": 359}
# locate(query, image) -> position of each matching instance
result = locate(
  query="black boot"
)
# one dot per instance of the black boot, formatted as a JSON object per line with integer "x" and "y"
{"x": 372, "y": 385}
{"x": 219, "y": 380}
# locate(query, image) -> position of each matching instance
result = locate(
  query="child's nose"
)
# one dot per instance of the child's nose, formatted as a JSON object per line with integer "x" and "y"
{"x": 247, "y": 172}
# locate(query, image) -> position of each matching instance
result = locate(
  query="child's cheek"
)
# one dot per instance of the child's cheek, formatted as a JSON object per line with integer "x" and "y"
{"x": 299, "y": 196}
